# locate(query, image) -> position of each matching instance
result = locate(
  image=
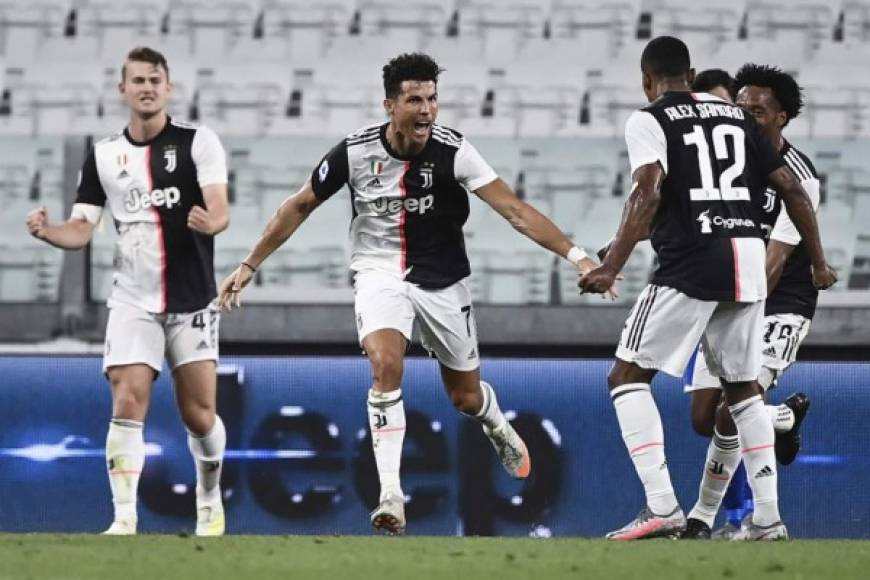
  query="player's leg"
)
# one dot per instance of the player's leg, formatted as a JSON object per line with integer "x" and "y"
{"x": 477, "y": 399}
{"x": 448, "y": 330}
{"x": 192, "y": 353}
{"x": 133, "y": 357}
{"x": 723, "y": 453}
{"x": 385, "y": 319}
{"x": 783, "y": 335}
{"x": 661, "y": 333}
{"x": 733, "y": 349}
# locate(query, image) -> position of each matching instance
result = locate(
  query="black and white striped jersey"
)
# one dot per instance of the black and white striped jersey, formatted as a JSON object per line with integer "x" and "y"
{"x": 160, "y": 264}
{"x": 407, "y": 213}
{"x": 795, "y": 292}
{"x": 717, "y": 160}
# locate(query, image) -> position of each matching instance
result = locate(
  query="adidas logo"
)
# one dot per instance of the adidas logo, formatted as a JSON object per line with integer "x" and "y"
{"x": 123, "y": 174}
{"x": 765, "y": 471}
{"x": 202, "y": 345}
{"x": 473, "y": 354}
{"x": 374, "y": 183}
{"x": 769, "y": 351}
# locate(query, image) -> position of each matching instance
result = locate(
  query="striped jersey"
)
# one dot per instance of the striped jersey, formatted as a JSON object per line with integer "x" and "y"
{"x": 408, "y": 213}
{"x": 795, "y": 292}
{"x": 707, "y": 232}
{"x": 160, "y": 264}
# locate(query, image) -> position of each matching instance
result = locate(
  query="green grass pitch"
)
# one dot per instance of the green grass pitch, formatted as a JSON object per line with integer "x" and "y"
{"x": 157, "y": 557}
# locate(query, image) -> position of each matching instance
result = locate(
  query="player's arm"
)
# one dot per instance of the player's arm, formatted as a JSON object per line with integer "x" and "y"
{"x": 647, "y": 153}
{"x": 800, "y": 210}
{"x": 637, "y": 218}
{"x": 290, "y": 215}
{"x": 777, "y": 255}
{"x": 531, "y": 223}
{"x": 70, "y": 235}
{"x": 215, "y": 216}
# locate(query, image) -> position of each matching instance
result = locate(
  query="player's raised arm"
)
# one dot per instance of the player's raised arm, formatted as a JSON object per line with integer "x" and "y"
{"x": 800, "y": 210}
{"x": 286, "y": 220}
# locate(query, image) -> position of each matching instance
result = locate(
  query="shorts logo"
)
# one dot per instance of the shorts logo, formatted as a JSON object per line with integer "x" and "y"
{"x": 704, "y": 218}
{"x": 171, "y": 157}
{"x": 136, "y": 200}
{"x": 323, "y": 171}
{"x": 410, "y": 204}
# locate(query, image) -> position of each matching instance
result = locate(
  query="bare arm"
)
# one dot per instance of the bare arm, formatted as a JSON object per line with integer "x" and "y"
{"x": 524, "y": 218}
{"x": 71, "y": 235}
{"x": 800, "y": 210}
{"x": 777, "y": 254}
{"x": 215, "y": 217}
{"x": 286, "y": 220}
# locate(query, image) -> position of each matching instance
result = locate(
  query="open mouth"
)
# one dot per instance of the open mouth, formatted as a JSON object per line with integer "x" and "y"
{"x": 421, "y": 128}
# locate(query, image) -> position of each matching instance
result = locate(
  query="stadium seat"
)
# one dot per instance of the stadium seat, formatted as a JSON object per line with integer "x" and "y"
{"x": 301, "y": 29}
{"x": 26, "y": 28}
{"x": 210, "y": 30}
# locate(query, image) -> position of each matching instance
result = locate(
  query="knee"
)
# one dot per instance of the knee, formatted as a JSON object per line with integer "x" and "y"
{"x": 129, "y": 402}
{"x": 466, "y": 401}
{"x": 617, "y": 377}
{"x": 198, "y": 417}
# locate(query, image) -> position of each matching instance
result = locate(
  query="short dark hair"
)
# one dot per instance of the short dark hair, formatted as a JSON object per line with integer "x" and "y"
{"x": 783, "y": 86}
{"x": 665, "y": 56}
{"x": 409, "y": 67}
{"x": 145, "y": 54}
{"x": 711, "y": 78}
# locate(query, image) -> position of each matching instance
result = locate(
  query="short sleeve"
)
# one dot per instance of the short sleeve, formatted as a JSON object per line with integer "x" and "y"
{"x": 209, "y": 157}
{"x": 762, "y": 150}
{"x": 90, "y": 189}
{"x": 470, "y": 169}
{"x": 784, "y": 229}
{"x": 645, "y": 141}
{"x": 332, "y": 173}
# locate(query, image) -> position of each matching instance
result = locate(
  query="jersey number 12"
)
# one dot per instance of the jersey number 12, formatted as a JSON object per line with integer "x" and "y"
{"x": 726, "y": 191}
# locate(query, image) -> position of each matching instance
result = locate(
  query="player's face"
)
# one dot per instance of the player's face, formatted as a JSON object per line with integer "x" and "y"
{"x": 415, "y": 109}
{"x": 146, "y": 88}
{"x": 762, "y": 105}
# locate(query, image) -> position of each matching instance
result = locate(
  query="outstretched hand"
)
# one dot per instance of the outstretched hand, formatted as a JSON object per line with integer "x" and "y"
{"x": 230, "y": 295}
{"x": 587, "y": 266}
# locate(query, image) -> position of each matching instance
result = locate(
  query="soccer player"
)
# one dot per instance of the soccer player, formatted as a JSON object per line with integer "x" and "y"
{"x": 716, "y": 82}
{"x": 773, "y": 98}
{"x": 409, "y": 180}
{"x": 700, "y": 167}
{"x": 165, "y": 183}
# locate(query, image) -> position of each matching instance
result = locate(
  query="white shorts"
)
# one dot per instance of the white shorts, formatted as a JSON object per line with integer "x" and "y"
{"x": 445, "y": 316}
{"x": 134, "y": 336}
{"x": 665, "y": 326}
{"x": 782, "y": 337}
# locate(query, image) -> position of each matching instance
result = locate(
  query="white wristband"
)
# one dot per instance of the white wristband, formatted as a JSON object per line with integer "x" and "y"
{"x": 576, "y": 254}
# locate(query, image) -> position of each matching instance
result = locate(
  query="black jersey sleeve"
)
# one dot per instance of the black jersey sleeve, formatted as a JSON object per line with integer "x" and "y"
{"x": 331, "y": 173}
{"x": 761, "y": 149}
{"x": 90, "y": 189}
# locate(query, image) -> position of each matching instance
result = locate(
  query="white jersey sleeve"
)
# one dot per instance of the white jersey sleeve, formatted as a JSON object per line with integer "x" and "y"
{"x": 209, "y": 157}
{"x": 470, "y": 169}
{"x": 784, "y": 229}
{"x": 645, "y": 141}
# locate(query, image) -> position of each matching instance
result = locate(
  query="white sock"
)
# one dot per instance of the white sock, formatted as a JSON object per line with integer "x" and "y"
{"x": 490, "y": 414}
{"x": 208, "y": 456}
{"x": 644, "y": 438}
{"x": 723, "y": 457}
{"x": 125, "y": 456}
{"x": 756, "y": 442}
{"x": 781, "y": 416}
{"x": 387, "y": 423}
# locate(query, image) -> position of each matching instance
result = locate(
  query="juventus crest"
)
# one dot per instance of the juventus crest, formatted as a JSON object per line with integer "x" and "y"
{"x": 171, "y": 157}
{"x": 426, "y": 174}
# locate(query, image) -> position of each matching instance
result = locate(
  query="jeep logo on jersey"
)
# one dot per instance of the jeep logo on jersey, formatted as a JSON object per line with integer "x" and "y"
{"x": 171, "y": 157}
{"x": 411, "y": 204}
{"x": 137, "y": 200}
